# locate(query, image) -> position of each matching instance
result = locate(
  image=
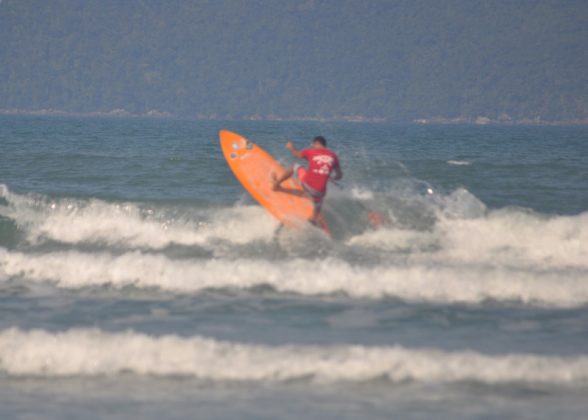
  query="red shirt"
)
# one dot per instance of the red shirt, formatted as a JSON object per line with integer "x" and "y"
{"x": 321, "y": 162}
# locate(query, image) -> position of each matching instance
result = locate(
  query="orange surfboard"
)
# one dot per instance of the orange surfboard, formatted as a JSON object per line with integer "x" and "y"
{"x": 254, "y": 168}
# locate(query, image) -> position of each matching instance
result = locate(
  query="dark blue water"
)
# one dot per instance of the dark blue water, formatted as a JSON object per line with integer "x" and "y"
{"x": 138, "y": 279}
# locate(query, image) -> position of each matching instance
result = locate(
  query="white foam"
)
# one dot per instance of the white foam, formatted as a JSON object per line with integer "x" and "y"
{"x": 502, "y": 239}
{"x": 128, "y": 224}
{"x": 396, "y": 240}
{"x": 459, "y": 162}
{"x": 469, "y": 255}
{"x": 411, "y": 282}
{"x": 90, "y": 352}
{"x": 515, "y": 238}
{"x": 461, "y": 204}
{"x": 361, "y": 193}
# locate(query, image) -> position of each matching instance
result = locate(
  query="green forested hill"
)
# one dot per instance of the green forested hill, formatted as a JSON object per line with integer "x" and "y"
{"x": 394, "y": 59}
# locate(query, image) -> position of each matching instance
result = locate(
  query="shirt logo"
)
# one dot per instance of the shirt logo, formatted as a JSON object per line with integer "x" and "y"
{"x": 323, "y": 163}
{"x": 323, "y": 160}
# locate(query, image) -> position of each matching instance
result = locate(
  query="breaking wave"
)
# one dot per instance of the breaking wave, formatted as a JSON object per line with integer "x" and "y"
{"x": 414, "y": 282}
{"x": 454, "y": 251}
{"x": 73, "y": 221}
{"x": 90, "y": 352}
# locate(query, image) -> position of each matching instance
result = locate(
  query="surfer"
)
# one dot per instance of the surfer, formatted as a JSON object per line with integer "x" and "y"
{"x": 321, "y": 163}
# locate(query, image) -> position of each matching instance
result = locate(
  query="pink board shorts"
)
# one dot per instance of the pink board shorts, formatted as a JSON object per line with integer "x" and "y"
{"x": 317, "y": 197}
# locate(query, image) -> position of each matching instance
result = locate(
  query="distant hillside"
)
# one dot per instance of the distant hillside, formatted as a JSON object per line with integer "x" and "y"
{"x": 396, "y": 60}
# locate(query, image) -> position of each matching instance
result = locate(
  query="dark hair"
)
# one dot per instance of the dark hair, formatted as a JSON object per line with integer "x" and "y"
{"x": 321, "y": 140}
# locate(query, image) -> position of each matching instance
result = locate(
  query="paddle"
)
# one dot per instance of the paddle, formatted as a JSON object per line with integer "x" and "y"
{"x": 375, "y": 218}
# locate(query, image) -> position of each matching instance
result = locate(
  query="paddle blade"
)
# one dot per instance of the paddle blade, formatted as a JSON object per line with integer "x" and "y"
{"x": 376, "y": 219}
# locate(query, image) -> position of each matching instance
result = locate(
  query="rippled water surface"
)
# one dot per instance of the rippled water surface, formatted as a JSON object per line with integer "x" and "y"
{"x": 138, "y": 279}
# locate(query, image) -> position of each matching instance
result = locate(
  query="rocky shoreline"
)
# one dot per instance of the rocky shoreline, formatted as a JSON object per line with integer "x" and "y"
{"x": 479, "y": 120}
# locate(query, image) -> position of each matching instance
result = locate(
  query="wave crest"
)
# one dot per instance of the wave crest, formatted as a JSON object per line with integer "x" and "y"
{"x": 90, "y": 352}
{"x": 414, "y": 282}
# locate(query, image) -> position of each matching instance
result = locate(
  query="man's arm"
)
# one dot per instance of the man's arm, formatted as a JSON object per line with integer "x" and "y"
{"x": 338, "y": 172}
{"x": 295, "y": 152}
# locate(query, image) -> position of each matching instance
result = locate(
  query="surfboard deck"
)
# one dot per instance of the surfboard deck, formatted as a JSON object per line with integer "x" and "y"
{"x": 254, "y": 167}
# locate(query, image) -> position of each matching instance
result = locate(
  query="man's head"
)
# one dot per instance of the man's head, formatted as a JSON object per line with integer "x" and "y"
{"x": 319, "y": 141}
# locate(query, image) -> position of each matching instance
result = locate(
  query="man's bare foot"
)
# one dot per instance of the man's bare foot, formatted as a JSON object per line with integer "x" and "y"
{"x": 275, "y": 183}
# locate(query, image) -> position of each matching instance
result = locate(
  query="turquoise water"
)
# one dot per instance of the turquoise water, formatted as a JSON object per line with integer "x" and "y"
{"x": 138, "y": 279}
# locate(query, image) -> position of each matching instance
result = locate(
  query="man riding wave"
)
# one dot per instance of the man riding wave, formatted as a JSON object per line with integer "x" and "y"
{"x": 321, "y": 163}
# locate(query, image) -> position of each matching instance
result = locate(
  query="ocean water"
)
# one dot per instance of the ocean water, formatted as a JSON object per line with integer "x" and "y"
{"x": 139, "y": 280}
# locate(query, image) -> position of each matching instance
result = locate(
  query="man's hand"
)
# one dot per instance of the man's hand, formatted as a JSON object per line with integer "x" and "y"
{"x": 290, "y": 146}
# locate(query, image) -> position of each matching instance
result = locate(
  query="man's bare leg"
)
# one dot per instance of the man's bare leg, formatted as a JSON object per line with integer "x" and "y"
{"x": 315, "y": 214}
{"x": 317, "y": 217}
{"x": 277, "y": 180}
